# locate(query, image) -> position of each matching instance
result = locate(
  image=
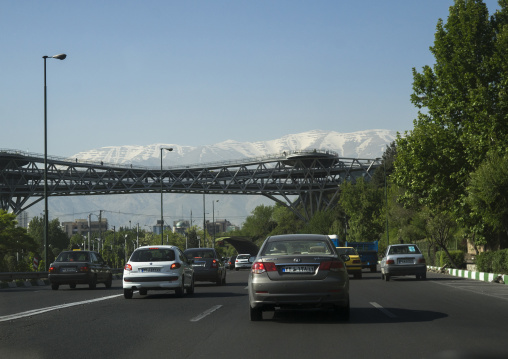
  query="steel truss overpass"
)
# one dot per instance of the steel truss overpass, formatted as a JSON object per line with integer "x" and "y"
{"x": 312, "y": 177}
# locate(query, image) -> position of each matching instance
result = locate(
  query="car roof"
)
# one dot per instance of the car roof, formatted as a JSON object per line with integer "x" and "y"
{"x": 403, "y": 245}
{"x": 157, "y": 246}
{"x": 297, "y": 237}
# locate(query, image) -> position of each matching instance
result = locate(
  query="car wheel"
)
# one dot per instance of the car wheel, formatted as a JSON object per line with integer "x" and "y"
{"x": 382, "y": 276}
{"x": 218, "y": 281}
{"x": 109, "y": 282}
{"x": 256, "y": 314}
{"x": 373, "y": 269}
{"x": 54, "y": 286}
{"x": 93, "y": 283}
{"x": 127, "y": 293}
{"x": 224, "y": 279}
{"x": 143, "y": 291}
{"x": 179, "y": 290}
{"x": 72, "y": 286}
{"x": 387, "y": 277}
{"x": 237, "y": 268}
{"x": 343, "y": 312}
{"x": 190, "y": 290}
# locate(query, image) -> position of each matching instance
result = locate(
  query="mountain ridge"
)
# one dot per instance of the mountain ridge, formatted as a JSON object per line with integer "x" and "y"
{"x": 127, "y": 209}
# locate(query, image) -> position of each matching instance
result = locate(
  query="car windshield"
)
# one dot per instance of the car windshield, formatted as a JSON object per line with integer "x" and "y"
{"x": 198, "y": 253}
{"x": 73, "y": 257}
{"x": 153, "y": 255}
{"x": 297, "y": 247}
{"x": 348, "y": 251}
{"x": 243, "y": 256}
{"x": 409, "y": 249}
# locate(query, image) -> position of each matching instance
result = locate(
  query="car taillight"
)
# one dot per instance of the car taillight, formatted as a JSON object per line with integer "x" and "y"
{"x": 83, "y": 269}
{"x": 214, "y": 263}
{"x": 390, "y": 261}
{"x": 260, "y": 267}
{"x": 236, "y": 261}
{"x": 175, "y": 266}
{"x": 333, "y": 266}
{"x": 421, "y": 260}
{"x": 127, "y": 267}
{"x": 52, "y": 269}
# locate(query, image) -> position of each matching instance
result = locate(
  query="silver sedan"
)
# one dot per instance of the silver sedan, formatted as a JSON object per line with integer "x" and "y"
{"x": 402, "y": 260}
{"x": 298, "y": 271}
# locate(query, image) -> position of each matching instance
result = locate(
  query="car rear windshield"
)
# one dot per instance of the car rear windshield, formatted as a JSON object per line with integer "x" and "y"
{"x": 243, "y": 256}
{"x": 348, "y": 251}
{"x": 297, "y": 247}
{"x": 73, "y": 257}
{"x": 153, "y": 255}
{"x": 409, "y": 249}
{"x": 199, "y": 253}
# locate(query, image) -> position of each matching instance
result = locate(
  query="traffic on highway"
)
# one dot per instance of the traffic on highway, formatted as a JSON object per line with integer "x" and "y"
{"x": 440, "y": 317}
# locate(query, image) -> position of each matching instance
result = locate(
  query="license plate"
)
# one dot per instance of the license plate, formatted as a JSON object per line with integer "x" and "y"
{"x": 406, "y": 261}
{"x": 298, "y": 269}
{"x": 67, "y": 270}
{"x": 143, "y": 270}
{"x": 199, "y": 264}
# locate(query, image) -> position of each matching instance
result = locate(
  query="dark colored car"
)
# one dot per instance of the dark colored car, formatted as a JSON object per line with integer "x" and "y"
{"x": 298, "y": 271}
{"x": 79, "y": 267}
{"x": 232, "y": 262}
{"x": 208, "y": 266}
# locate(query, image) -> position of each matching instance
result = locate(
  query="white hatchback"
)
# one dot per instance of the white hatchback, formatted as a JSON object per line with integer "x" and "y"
{"x": 158, "y": 268}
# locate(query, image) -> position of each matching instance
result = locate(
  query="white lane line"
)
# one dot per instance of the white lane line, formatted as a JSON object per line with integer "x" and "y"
{"x": 205, "y": 313}
{"x": 385, "y": 311}
{"x": 33, "y": 312}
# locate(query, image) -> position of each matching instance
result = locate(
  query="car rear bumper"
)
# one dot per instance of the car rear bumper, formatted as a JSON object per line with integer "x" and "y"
{"x": 243, "y": 265}
{"x": 354, "y": 269}
{"x": 206, "y": 275}
{"x": 74, "y": 278}
{"x": 404, "y": 269}
{"x": 298, "y": 293}
{"x": 151, "y": 282}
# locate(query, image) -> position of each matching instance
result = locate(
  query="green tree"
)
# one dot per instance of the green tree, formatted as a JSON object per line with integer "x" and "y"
{"x": 260, "y": 223}
{"x": 13, "y": 242}
{"x": 286, "y": 221}
{"x": 463, "y": 101}
{"x": 363, "y": 204}
{"x": 57, "y": 238}
{"x": 488, "y": 192}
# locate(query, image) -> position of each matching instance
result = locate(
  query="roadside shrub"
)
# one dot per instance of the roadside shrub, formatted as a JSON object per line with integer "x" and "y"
{"x": 484, "y": 262}
{"x": 499, "y": 261}
{"x": 458, "y": 258}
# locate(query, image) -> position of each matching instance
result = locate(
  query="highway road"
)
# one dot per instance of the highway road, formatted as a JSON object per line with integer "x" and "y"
{"x": 442, "y": 317}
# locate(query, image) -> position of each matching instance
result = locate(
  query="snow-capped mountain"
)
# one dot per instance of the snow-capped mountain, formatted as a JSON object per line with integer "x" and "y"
{"x": 144, "y": 209}
{"x": 362, "y": 144}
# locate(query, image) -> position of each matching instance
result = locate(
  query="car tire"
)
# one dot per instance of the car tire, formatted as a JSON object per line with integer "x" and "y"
{"x": 93, "y": 283}
{"x": 179, "y": 290}
{"x": 256, "y": 314}
{"x": 343, "y": 312}
{"x": 387, "y": 277}
{"x": 190, "y": 290}
{"x": 109, "y": 282}
{"x": 54, "y": 286}
{"x": 373, "y": 269}
{"x": 143, "y": 292}
{"x": 72, "y": 286}
{"x": 237, "y": 268}
{"x": 127, "y": 293}
{"x": 382, "y": 276}
{"x": 224, "y": 279}
{"x": 218, "y": 281}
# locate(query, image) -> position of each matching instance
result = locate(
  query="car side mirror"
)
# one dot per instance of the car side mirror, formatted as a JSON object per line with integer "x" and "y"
{"x": 345, "y": 257}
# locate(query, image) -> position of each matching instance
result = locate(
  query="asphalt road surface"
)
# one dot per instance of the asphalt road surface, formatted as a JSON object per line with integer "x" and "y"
{"x": 442, "y": 317}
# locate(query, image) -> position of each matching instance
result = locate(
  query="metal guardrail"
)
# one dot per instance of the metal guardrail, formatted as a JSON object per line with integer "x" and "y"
{"x": 11, "y": 276}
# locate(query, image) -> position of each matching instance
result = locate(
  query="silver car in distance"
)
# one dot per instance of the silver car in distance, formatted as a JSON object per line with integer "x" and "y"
{"x": 298, "y": 271}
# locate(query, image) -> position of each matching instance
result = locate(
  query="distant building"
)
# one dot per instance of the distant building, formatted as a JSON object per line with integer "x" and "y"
{"x": 157, "y": 228}
{"x": 80, "y": 226}
{"x": 181, "y": 226}
{"x": 22, "y": 219}
{"x": 219, "y": 226}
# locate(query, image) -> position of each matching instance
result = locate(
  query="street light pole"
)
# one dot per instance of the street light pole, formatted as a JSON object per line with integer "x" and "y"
{"x": 213, "y": 220}
{"x": 169, "y": 149}
{"x": 59, "y": 57}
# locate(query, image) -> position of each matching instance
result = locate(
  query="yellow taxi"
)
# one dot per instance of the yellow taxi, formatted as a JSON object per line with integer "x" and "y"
{"x": 354, "y": 264}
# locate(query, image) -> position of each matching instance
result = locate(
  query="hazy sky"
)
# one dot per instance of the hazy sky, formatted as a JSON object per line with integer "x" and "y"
{"x": 202, "y": 72}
